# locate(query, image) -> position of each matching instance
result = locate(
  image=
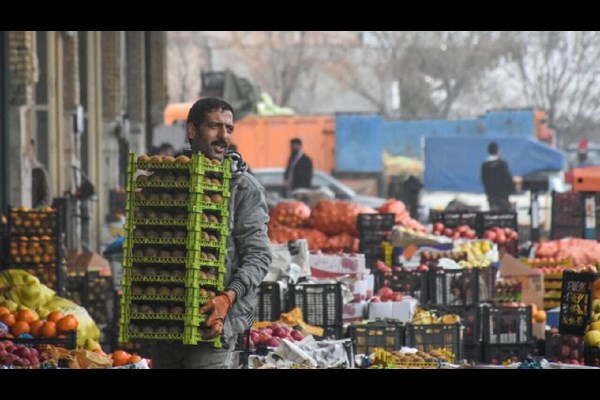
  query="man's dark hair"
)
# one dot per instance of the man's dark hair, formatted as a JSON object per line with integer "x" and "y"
{"x": 202, "y": 107}
{"x": 493, "y": 148}
{"x": 296, "y": 141}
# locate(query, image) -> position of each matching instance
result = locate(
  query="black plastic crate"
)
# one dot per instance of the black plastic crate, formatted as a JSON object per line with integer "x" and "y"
{"x": 576, "y": 302}
{"x": 501, "y": 219}
{"x": 486, "y": 284}
{"x": 387, "y": 334}
{"x": 563, "y": 348}
{"x": 98, "y": 297}
{"x": 321, "y": 305}
{"x": 116, "y": 202}
{"x": 372, "y": 254}
{"x": 506, "y": 325}
{"x": 470, "y": 319}
{"x": 567, "y": 215}
{"x": 456, "y": 287}
{"x": 268, "y": 302}
{"x": 498, "y": 354}
{"x": 375, "y": 222}
{"x": 435, "y": 336}
{"x": 39, "y": 233}
{"x": 374, "y": 237}
{"x": 591, "y": 356}
{"x": 452, "y": 219}
{"x": 560, "y": 232}
{"x": 410, "y": 281}
{"x": 69, "y": 342}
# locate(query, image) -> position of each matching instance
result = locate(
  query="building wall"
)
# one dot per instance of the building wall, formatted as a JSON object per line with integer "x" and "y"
{"x": 23, "y": 73}
{"x": 125, "y": 92}
{"x": 158, "y": 76}
{"x": 136, "y": 90}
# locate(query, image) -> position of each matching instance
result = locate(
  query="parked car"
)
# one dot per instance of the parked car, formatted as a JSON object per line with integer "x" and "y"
{"x": 272, "y": 180}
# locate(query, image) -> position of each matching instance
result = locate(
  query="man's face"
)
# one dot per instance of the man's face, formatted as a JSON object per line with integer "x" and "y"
{"x": 214, "y": 135}
{"x": 295, "y": 148}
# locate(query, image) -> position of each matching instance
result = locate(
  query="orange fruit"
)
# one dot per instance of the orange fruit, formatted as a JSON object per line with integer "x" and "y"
{"x": 48, "y": 330}
{"x": 133, "y": 359}
{"x": 4, "y": 310}
{"x": 27, "y": 316}
{"x": 8, "y": 319}
{"x": 120, "y": 358}
{"x": 55, "y": 316}
{"x": 67, "y": 323}
{"x": 540, "y": 316}
{"x": 36, "y": 328}
{"x": 534, "y": 308}
{"x": 19, "y": 328}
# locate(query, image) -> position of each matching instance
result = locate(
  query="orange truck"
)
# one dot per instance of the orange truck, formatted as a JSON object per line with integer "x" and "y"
{"x": 265, "y": 141}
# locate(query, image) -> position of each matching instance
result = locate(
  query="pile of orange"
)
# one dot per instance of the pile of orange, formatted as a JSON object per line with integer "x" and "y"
{"x": 121, "y": 358}
{"x": 27, "y": 321}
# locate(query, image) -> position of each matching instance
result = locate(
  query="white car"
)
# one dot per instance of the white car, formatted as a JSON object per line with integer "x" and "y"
{"x": 272, "y": 180}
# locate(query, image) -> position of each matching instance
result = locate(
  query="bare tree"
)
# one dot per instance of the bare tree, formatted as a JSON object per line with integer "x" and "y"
{"x": 559, "y": 72}
{"x": 188, "y": 54}
{"x": 280, "y": 62}
{"x": 433, "y": 69}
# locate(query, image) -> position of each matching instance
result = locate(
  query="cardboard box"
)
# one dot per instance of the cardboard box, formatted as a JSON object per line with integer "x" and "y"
{"x": 317, "y": 273}
{"x": 359, "y": 289}
{"x": 370, "y": 286}
{"x": 531, "y": 279}
{"x": 338, "y": 263}
{"x": 401, "y": 310}
{"x": 354, "y": 311}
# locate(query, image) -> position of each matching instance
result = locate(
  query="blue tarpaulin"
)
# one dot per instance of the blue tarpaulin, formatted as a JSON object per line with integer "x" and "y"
{"x": 453, "y": 164}
{"x": 361, "y": 139}
{"x": 358, "y": 143}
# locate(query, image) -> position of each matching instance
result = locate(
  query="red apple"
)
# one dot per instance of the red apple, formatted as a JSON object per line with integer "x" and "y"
{"x": 491, "y": 235}
{"x": 297, "y": 335}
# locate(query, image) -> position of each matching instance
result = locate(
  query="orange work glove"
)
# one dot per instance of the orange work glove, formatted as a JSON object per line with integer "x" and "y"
{"x": 217, "y": 309}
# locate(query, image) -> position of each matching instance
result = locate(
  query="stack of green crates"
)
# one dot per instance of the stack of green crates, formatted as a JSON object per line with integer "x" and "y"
{"x": 175, "y": 246}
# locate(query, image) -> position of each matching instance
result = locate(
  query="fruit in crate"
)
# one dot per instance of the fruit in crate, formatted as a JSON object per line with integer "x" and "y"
{"x": 182, "y": 159}
{"x": 18, "y": 355}
{"x": 592, "y": 338}
{"x": 273, "y": 335}
{"x": 501, "y": 235}
{"x": 460, "y": 231}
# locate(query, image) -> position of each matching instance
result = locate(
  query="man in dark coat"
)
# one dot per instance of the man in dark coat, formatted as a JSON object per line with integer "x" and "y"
{"x": 497, "y": 180}
{"x": 299, "y": 171}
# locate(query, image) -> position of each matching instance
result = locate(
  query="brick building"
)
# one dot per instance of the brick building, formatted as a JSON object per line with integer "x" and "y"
{"x": 86, "y": 98}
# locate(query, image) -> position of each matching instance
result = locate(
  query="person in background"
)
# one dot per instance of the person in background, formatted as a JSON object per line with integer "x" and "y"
{"x": 166, "y": 149}
{"x": 497, "y": 180}
{"x": 412, "y": 188}
{"x": 299, "y": 171}
{"x": 40, "y": 182}
{"x": 210, "y": 131}
{"x": 582, "y": 154}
